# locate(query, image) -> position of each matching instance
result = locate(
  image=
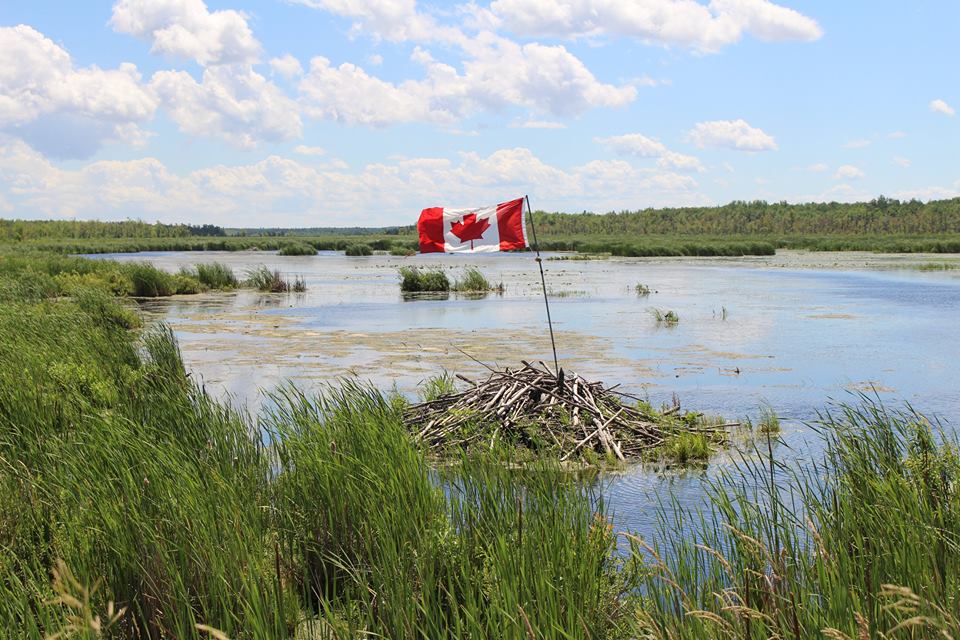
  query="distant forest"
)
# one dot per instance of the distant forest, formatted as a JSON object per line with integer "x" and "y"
{"x": 16, "y": 230}
{"x": 878, "y": 216}
{"x": 881, "y": 216}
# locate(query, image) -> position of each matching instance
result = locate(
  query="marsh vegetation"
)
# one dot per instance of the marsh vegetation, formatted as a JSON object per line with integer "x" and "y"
{"x": 739, "y": 228}
{"x": 666, "y": 317}
{"x": 358, "y": 250}
{"x": 135, "y": 501}
{"x": 297, "y": 249}
{"x": 215, "y": 275}
{"x": 473, "y": 281}
{"x": 272, "y": 281}
{"x": 435, "y": 279}
{"x": 417, "y": 279}
{"x": 134, "y": 504}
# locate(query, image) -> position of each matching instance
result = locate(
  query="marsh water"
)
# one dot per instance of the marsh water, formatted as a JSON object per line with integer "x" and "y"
{"x": 792, "y": 332}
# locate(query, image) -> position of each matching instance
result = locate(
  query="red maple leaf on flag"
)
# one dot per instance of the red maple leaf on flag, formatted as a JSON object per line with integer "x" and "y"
{"x": 470, "y": 229}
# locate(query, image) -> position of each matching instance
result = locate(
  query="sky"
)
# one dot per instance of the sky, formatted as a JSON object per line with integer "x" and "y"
{"x": 286, "y": 113}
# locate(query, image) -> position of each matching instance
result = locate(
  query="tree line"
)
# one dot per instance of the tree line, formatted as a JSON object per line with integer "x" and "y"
{"x": 880, "y": 216}
{"x": 17, "y": 230}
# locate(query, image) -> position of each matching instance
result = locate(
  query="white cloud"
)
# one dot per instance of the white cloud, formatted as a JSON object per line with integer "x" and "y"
{"x": 287, "y": 67}
{"x": 896, "y": 135}
{"x": 64, "y": 111}
{"x": 848, "y": 172}
{"x": 500, "y": 72}
{"x": 497, "y": 73}
{"x": 375, "y": 59}
{"x": 234, "y": 103}
{"x": 939, "y": 106}
{"x": 188, "y": 29}
{"x": 679, "y": 161}
{"x": 900, "y": 160}
{"x": 861, "y": 143}
{"x": 537, "y": 124}
{"x": 840, "y": 193}
{"x": 647, "y": 81}
{"x": 818, "y": 167}
{"x": 732, "y": 134}
{"x": 349, "y": 94}
{"x": 637, "y": 144}
{"x": 929, "y": 193}
{"x": 331, "y": 194}
{"x": 305, "y": 150}
{"x": 682, "y": 23}
{"x": 394, "y": 20}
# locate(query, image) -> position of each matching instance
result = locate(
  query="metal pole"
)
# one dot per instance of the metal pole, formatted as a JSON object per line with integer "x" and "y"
{"x": 543, "y": 281}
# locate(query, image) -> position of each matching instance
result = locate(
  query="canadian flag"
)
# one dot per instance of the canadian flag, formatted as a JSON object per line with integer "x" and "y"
{"x": 494, "y": 228}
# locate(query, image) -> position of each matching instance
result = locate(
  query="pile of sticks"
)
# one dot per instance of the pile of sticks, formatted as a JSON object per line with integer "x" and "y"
{"x": 534, "y": 406}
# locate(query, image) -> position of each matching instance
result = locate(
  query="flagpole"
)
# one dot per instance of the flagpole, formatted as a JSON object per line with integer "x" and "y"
{"x": 543, "y": 282}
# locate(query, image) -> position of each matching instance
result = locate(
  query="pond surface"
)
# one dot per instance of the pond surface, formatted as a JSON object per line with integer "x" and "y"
{"x": 793, "y": 332}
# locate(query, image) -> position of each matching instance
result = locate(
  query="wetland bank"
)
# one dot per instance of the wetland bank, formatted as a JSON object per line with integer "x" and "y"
{"x": 172, "y": 481}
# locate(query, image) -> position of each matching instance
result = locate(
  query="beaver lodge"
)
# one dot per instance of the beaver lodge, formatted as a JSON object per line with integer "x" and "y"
{"x": 533, "y": 408}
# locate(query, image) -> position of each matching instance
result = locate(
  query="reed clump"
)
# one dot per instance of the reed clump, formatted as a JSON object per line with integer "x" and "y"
{"x": 666, "y": 317}
{"x": 473, "y": 281}
{"x": 297, "y": 249}
{"x": 418, "y": 279}
{"x": 937, "y": 266}
{"x": 358, "y": 249}
{"x": 769, "y": 421}
{"x": 272, "y": 281}
{"x": 213, "y": 275}
{"x": 148, "y": 281}
{"x": 685, "y": 447}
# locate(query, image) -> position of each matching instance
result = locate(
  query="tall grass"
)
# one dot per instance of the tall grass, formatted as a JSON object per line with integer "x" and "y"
{"x": 495, "y": 555}
{"x": 402, "y": 250}
{"x": 272, "y": 281}
{"x": 359, "y": 249}
{"x": 148, "y": 281}
{"x": 865, "y": 544}
{"x": 667, "y": 317}
{"x": 415, "y": 279}
{"x": 473, "y": 281}
{"x": 131, "y": 498}
{"x": 214, "y": 275}
{"x": 30, "y": 276}
{"x": 298, "y": 249}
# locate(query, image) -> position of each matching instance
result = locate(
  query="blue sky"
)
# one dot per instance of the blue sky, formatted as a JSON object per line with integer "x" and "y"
{"x": 349, "y": 112}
